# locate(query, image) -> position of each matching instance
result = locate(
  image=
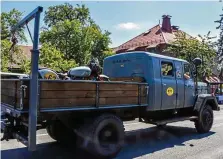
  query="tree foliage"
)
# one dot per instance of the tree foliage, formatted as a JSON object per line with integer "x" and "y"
{"x": 72, "y": 31}
{"x": 70, "y": 38}
{"x": 25, "y": 64}
{"x": 8, "y": 21}
{"x": 52, "y": 58}
{"x": 5, "y": 46}
{"x": 106, "y": 54}
{"x": 190, "y": 48}
{"x": 66, "y": 11}
{"x": 13, "y": 57}
{"x": 220, "y": 45}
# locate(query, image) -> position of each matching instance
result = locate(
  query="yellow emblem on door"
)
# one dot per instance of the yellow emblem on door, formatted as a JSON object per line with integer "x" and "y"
{"x": 169, "y": 91}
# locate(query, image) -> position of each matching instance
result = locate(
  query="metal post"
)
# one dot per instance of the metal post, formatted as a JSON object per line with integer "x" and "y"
{"x": 33, "y": 102}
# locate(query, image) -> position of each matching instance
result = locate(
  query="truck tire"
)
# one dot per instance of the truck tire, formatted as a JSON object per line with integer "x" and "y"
{"x": 104, "y": 136}
{"x": 59, "y": 132}
{"x": 205, "y": 120}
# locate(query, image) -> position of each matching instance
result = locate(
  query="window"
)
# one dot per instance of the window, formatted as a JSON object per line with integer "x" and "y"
{"x": 167, "y": 68}
{"x": 187, "y": 72}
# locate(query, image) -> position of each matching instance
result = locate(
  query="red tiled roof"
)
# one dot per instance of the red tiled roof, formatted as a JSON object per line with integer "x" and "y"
{"x": 150, "y": 38}
{"x": 26, "y": 50}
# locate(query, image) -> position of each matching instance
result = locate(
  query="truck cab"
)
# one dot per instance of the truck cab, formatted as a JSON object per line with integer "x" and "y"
{"x": 170, "y": 80}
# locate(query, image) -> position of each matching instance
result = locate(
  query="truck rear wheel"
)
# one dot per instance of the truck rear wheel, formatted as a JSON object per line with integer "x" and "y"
{"x": 205, "y": 120}
{"x": 59, "y": 132}
{"x": 104, "y": 136}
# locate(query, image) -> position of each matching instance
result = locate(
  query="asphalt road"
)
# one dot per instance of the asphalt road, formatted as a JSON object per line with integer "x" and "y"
{"x": 176, "y": 141}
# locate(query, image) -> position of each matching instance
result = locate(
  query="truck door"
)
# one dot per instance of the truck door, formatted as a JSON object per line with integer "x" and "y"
{"x": 168, "y": 85}
{"x": 180, "y": 84}
{"x": 188, "y": 86}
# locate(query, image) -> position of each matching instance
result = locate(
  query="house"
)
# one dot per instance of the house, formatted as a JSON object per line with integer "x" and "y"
{"x": 26, "y": 51}
{"x": 153, "y": 40}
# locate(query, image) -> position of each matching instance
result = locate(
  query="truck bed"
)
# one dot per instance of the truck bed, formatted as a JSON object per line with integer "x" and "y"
{"x": 55, "y": 95}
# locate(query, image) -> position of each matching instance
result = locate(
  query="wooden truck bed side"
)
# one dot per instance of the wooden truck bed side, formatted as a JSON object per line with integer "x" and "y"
{"x": 10, "y": 92}
{"x": 65, "y": 94}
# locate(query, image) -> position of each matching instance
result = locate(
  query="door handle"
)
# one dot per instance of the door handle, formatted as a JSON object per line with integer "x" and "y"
{"x": 164, "y": 84}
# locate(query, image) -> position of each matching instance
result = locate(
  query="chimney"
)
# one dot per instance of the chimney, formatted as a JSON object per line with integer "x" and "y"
{"x": 166, "y": 25}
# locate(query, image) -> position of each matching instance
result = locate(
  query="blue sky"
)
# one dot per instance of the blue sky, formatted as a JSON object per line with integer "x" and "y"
{"x": 126, "y": 20}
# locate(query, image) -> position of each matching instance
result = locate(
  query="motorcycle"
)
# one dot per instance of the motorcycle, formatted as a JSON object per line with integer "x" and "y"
{"x": 89, "y": 72}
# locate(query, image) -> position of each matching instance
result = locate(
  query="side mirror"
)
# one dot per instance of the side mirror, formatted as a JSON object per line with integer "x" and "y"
{"x": 197, "y": 61}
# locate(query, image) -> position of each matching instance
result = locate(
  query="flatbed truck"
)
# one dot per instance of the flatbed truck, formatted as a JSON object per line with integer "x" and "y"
{"x": 143, "y": 85}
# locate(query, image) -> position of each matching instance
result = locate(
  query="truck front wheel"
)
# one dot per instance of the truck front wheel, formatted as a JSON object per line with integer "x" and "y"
{"x": 103, "y": 136}
{"x": 205, "y": 120}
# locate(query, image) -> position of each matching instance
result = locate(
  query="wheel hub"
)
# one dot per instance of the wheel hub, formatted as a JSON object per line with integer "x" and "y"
{"x": 107, "y": 136}
{"x": 107, "y": 133}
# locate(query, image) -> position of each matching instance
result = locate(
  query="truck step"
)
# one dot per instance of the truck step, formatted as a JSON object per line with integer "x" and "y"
{"x": 172, "y": 120}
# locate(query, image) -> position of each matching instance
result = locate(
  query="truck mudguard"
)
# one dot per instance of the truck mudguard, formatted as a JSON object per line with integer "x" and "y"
{"x": 203, "y": 99}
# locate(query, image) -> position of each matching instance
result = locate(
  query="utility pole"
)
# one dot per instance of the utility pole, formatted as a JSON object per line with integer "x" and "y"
{"x": 220, "y": 44}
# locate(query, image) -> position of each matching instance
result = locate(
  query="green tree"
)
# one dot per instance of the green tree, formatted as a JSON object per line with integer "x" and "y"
{"x": 52, "y": 58}
{"x": 72, "y": 31}
{"x": 190, "y": 48}
{"x": 106, "y": 54}
{"x": 25, "y": 64}
{"x": 100, "y": 44}
{"x": 5, "y": 57}
{"x": 14, "y": 56}
{"x": 8, "y": 21}
{"x": 59, "y": 13}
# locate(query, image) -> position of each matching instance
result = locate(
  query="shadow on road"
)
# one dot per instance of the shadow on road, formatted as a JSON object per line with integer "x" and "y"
{"x": 52, "y": 150}
{"x": 156, "y": 139}
{"x": 138, "y": 143}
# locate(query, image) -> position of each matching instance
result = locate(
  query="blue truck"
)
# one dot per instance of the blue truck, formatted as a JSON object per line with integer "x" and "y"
{"x": 149, "y": 87}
